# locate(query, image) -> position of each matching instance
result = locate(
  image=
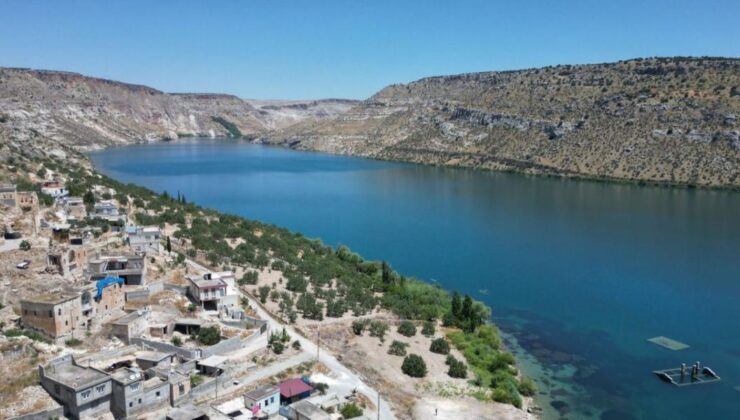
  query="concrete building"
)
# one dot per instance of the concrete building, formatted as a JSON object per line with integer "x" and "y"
{"x": 130, "y": 325}
{"x": 144, "y": 239}
{"x": 129, "y": 267}
{"x": 293, "y": 390}
{"x": 108, "y": 210}
{"x": 179, "y": 380}
{"x": 304, "y": 410}
{"x": 83, "y": 391}
{"x": 155, "y": 359}
{"x": 54, "y": 188}
{"x": 75, "y": 208}
{"x": 8, "y": 196}
{"x": 134, "y": 394}
{"x": 187, "y": 412}
{"x": 208, "y": 292}
{"x": 266, "y": 398}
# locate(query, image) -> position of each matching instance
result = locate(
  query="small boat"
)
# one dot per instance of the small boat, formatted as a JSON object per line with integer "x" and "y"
{"x": 483, "y": 291}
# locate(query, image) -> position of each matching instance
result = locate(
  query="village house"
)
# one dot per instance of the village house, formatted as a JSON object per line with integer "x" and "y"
{"x": 83, "y": 391}
{"x": 66, "y": 260}
{"x": 206, "y": 291}
{"x": 304, "y": 410}
{"x": 186, "y": 412}
{"x": 8, "y": 195}
{"x": 54, "y": 188}
{"x": 155, "y": 359}
{"x": 133, "y": 393}
{"x": 179, "y": 380}
{"x": 130, "y": 325}
{"x": 264, "y": 400}
{"x": 65, "y": 314}
{"x": 75, "y": 208}
{"x": 108, "y": 210}
{"x": 144, "y": 239}
{"x": 27, "y": 200}
{"x": 131, "y": 268}
{"x": 293, "y": 390}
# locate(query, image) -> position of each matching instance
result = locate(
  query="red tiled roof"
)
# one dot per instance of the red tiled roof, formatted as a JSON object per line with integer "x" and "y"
{"x": 293, "y": 387}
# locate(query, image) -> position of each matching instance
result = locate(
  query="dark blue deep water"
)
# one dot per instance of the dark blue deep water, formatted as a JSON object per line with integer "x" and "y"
{"x": 579, "y": 273}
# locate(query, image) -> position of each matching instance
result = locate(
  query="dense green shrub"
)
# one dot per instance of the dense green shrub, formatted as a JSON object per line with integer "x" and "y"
{"x": 527, "y": 387}
{"x": 359, "y": 325}
{"x": 457, "y": 368}
{"x": 428, "y": 329}
{"x": 209, "y": 336}
{"x": 414, "y": 366}
{"x": 73, "y": 342}
{"x": 24, "y": 245}
{"x": 378, "y": 329}
{"x": 440, "y": 346}
{"x": 250, "y": 277}
{"x": 264, "y": 292}
{"x": 398, "y": 348}
{"x": 407, "y": 328}
{"x": 350, "y": 410}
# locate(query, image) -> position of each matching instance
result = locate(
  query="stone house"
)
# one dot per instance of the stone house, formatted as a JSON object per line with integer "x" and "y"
{"x": 65, "y": 260}
{"x": 83, "y": 391}
{"x": 27, "y": 200}
{"x": 66, "y": 314}
{"x": 8, "y": 196}
{"x": 155, "y": 359}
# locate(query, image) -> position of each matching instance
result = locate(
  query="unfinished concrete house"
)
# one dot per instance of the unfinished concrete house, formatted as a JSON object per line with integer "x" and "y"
{"x": 144, "y": 239}
{"x": 131, "y": 325}
{"x": 83, "y": 391}
{"x": 134, "y": 394}
{"x": 131, "y": 268}
{"x": 108, "y": 210}
{"x": 27, "y": 200}
{"x": 66, "y": 260}
{"x": 75, "y": 208}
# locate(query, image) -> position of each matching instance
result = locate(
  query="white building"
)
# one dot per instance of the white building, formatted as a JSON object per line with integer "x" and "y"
{"x": 144, "y": 238}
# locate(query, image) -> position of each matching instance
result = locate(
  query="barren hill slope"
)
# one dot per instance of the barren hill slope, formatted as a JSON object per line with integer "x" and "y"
{"x": 671, "y": 120}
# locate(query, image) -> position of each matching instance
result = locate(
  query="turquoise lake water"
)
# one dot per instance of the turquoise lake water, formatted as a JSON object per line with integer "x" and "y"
{"x": 579, "y": 274}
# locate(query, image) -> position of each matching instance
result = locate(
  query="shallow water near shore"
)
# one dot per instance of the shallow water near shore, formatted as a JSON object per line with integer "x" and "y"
{"x": 580, "y": 274}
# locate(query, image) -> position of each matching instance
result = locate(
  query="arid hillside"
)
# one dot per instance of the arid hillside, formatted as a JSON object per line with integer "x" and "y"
{"x": 671, "y": 120}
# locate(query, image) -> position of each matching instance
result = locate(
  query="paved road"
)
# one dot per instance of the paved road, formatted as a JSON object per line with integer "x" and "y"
{"x": 349, "y": 379}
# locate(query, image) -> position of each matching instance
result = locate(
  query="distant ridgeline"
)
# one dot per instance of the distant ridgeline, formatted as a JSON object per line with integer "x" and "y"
{"x": 658, "y": 120}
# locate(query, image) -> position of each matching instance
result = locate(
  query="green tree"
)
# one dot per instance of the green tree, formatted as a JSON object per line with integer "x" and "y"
{"x": 359, "y": 325}
{"x": 398, "y": 348}
{"x": 378, "y": 329}
{"x": 414, "y": 366}
{"x": 176, "y": 341}
{"x": 264, "y": 292}
{"x": 527, "y": 387}
{"x": 428, "y": 329}
{"x": 350, "y": 411}
{"x": 89, "y": 199}
{"x": 456, "y": 305}
{"x": 407, "y": 328}
{"x": 457, "y": 369}
{"x": 440, "y": 346}
{"x": 209, "y": 335}
{"x": 168, "y": 245}
{"x": 24, "y": 245}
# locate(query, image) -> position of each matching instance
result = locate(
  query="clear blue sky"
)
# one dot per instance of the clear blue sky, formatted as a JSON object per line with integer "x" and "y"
{"x": 350, "y": 48}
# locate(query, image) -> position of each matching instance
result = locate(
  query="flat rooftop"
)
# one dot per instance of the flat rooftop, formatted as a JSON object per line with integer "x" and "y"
{"x": 257, "y": 394}
{"x": 126, "y": 375}
{"x": 75, "y": 376}
{"x": 52, "y": 297}
{"x": 200, "y": 282}
{"x": 129, "y": 318}
{"x": 153, "y": 356}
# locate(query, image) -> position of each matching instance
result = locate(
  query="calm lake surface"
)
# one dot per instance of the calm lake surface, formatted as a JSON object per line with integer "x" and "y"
{"x": 579, "y": 274}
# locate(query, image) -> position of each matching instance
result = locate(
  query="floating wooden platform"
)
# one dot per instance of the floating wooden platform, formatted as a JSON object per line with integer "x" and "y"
{"x": 674, "y": 376}
{"x": 668, "y": 343}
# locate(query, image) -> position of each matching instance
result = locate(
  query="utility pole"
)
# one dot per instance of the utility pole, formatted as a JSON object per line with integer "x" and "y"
{"x": 318, "y": 343}
{"x": 378, "y": 405}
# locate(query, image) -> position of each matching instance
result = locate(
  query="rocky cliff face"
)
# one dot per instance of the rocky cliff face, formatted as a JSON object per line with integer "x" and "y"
{"x": 53, "y": 110}
{"x": 658, "y": 120}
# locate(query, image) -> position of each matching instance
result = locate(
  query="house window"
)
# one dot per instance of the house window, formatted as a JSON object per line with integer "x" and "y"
{"x": 134, "y": 387}
{"x": 131, "y": 404}
{"x": 267, "y": 402}
{"x": 139, "y": 400}
{"x": 51, "y": 314}
{"x": 272, "y": 399}
{"x": 157, "y": 394}
{"x": 85, "y": 394}
{"x": 59, "y": 311}
{"x": 181, "y": 389}
{"x": 66, "y": 323}
{"x": 100, "y": 388}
